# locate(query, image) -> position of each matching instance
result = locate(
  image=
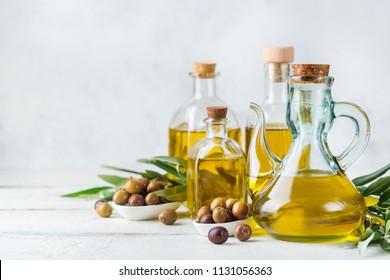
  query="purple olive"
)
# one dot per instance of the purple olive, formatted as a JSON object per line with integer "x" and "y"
{"x": 206, "y": 219}
{"x": 242, "y": 232}
{"x": 218, "y": 235}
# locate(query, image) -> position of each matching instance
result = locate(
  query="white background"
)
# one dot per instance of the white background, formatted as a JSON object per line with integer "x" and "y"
{"x": 85, "y": 83}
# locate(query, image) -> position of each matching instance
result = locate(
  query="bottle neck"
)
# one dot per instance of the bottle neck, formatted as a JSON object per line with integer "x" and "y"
{"x": 276, "y": 86}
{"x": 204, "y": 87}
{"x": 216, "y": 128}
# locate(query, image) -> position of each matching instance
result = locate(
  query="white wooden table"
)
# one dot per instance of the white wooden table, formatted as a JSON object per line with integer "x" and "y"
{"x": 36, "y": 223}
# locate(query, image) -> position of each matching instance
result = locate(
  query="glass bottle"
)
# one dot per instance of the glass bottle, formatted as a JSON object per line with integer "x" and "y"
{"x": 309, "y": 198}
{"x": 276, "y": 70}
{"x": 186, "y": 125}
{"x": 216, "y": 164}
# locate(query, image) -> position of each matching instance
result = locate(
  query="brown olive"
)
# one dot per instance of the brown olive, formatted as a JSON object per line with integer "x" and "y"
{"x": 154, "y": 186}
{"x": 217, "y": 202}
{"x": 152, "y": 199}
{"x": 121, "y": 197}
{"x": 203, "y": 210}
{"x": 104, "y": 209}
{"x": 229, "y": 216}
{"x": 218, "y": 235}
{"x": 230, "y": 202}
{"x": 242, "y": 232}
{"x": 219, "y": 215}
{"x": 206, "y": 219}
{"x": 250, "y": 209}
{"x": 240, "y": 210}
{"x": 133, "y": 187}
{"x": 167, "y": 216}
{"x": 144, "y": 182}
{"x": 99, "y": 201}
{"x": 136, "y": 200}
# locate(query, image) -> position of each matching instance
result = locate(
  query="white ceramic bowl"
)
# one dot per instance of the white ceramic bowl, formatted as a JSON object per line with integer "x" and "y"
{"x": 147, "y": 212}
{"x": 204, "y": 229}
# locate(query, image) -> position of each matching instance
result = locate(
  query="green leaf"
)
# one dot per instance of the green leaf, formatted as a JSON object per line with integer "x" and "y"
{"x": 143, "y": 174}
{"x": 387, "y": 228}
{"x": 362, "y": 180}
{"x": 172, "y": 160}
{"x": 107, "y": 194}
{"x": 378, "y": 187}
{"x": 153, "y": 175}
{"x": 361, "y": 188}
{"x": 113, "y": 179}
{"x": 363, "y": 244}
{"x": 87, "y": 192}
{"x": 387, "y": 215}
{"x": 166, "y": 167}
{"x": 385, "y": 196}
{"x": 386, "y": 244}
{"x": 177, "y": 193}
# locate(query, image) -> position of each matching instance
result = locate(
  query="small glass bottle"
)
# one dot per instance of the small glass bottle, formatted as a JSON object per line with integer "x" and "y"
{"x": 276, "y": 68}
{"x": 186, "y": 125}
{"x": 216, "y": 165}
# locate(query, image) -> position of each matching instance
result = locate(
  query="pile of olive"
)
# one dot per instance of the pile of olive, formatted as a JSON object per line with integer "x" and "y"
{"x": 221, "y": 211}
{"x": 139, "y": 192}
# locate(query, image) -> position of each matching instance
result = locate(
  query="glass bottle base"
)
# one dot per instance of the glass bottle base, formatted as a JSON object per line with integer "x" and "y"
{"x": 312, "y": 239}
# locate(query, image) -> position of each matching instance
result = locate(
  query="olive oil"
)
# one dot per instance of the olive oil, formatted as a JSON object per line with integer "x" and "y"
{"x": 180, "y": 139}
{"x": 312, "y": 206}
{"x": 209, "y": 178}
{"x": 279, "y": 139}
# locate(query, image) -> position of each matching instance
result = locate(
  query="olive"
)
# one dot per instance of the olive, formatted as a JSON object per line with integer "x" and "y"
{"x": 104, "y": 209}
{"x": 206, "y": 219}
{"x": 229, "y": 216}
{"x": 152, "y": 199}
{"x": 250, "y": 211}
{"x": 218, "y": 235}
{"x": 167, "y": 216}
{"x": 121, "y": 197}
{"x": 242, "y": 232}
{"x": 136, "y": 200}
{"x": 154, "y": 186}
{"x": 132, "y": 186}
{"x": 219, "y": 215}
{"x": 203, "y": 210}
{"x": 217, "y": 202}
{"x": 99, "y": 201}
{"x": 240, "y": 210}
{"x": 230, "y": 202}
{"x": 144, "y": 182}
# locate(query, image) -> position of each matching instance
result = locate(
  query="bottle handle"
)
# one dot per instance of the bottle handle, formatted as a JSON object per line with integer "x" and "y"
{"x": 362, "y": 132}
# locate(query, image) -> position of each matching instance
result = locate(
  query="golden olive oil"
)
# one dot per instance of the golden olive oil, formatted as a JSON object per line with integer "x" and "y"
{"x": 279, "y": 139}
{"x": 209, "y": 178}
{"x": 179, "y": 139}
{"x": 310, "y": 207}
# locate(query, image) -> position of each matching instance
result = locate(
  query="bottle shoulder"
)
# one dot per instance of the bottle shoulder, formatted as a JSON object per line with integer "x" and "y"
{"x": 216, "y": 148}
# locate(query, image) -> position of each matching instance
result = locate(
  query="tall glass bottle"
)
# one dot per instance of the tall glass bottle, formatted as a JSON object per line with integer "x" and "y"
{"x": 276, "y": 68}
{"x": 186, "y": 125}
{"x": 216, "y": 165}
{"x": 279, "y": 138}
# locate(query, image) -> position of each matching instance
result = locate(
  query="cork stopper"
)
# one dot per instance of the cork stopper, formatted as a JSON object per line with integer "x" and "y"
{"x": 278, "y": 54}
{"x": 217, "y": 112}
{"x": 310, "y": 70}
{"x": 204, "y": 70}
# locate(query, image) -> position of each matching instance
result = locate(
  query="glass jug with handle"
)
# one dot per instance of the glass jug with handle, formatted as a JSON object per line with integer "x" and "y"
{"x": 307, "y": 197}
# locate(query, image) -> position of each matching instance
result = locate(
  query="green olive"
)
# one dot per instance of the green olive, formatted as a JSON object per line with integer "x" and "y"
{"x": 99, "y": 201}
{"x": 230, "y": 202}
{"x": 205, "y": 209}
{"x": 217, "y": 202}
{"x": 167, "y": 216}
{"x": 219, "y": 215}
{"x": 104, "y": 209}
{"x": 240, "y": 210}
{"x": 132, "y": 186}
{"x": 152, "y": 199}
{"x": 154, "y": 186}
{"x": 120, "y": 197}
